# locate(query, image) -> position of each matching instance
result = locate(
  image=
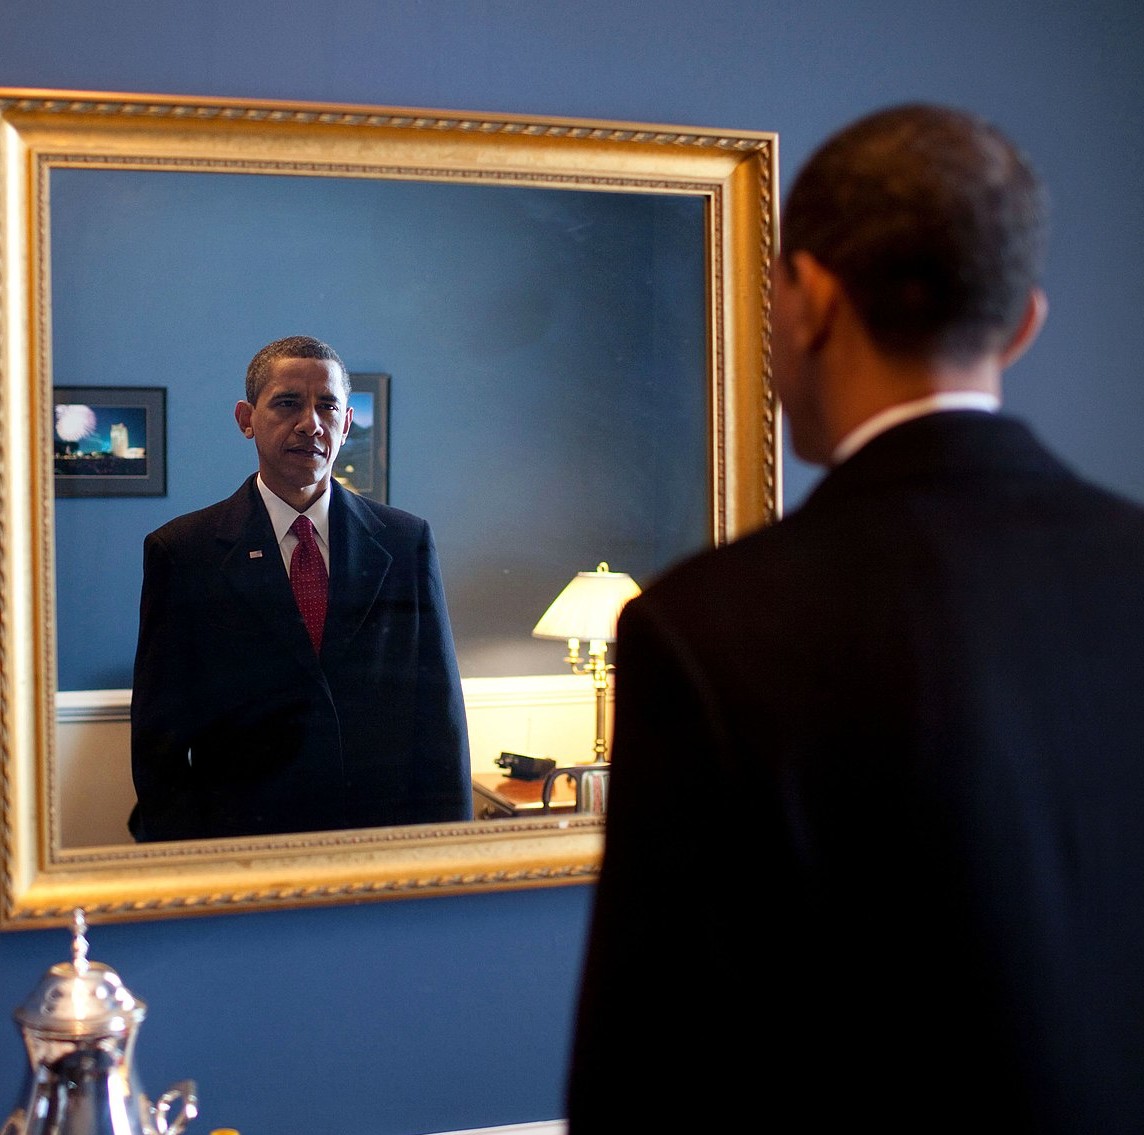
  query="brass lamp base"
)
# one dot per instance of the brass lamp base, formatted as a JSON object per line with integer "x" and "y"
{"x": 597, "y": 668}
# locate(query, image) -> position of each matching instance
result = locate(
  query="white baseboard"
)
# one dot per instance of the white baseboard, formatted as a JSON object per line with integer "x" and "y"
{"x": 549, "y": 1127}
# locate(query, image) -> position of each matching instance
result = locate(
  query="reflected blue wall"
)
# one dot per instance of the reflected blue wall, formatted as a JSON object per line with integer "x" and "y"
{"x": 436, "y": 1003}
{"x": 545, "y": 348}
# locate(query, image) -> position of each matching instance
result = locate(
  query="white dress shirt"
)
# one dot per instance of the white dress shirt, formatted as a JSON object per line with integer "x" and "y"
{"x": 283, "y": 515}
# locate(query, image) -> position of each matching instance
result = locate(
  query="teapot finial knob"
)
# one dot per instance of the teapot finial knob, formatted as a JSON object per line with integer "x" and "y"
{"x": 79, "y": 940}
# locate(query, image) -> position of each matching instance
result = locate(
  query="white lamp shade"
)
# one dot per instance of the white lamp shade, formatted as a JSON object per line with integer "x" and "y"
{"x": 588, "y": 607}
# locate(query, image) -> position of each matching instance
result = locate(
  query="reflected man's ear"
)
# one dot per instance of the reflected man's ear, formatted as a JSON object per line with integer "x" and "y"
{"x": 242, "y": 414}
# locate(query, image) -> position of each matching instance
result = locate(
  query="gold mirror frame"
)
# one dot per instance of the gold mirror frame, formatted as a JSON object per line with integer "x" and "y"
{"x": 734, "y": 173}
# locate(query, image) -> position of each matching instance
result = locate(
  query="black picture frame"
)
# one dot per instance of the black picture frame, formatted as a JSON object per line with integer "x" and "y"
{"x": 92, "y": 458}
{"x": 362, "y": 464}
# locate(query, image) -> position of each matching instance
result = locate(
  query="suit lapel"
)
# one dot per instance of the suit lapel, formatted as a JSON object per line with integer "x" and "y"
{"x": 358, "y": 566}
{"x": 252, "y": 565}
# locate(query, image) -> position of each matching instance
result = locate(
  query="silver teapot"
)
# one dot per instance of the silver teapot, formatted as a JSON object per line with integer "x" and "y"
{"x": 591, "y": 786}
{"x": 80, "y": 1025}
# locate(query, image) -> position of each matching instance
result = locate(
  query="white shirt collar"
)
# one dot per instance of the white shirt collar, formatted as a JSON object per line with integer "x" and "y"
{"x": 282, "y": 515}
{"x": 905, "y": 411}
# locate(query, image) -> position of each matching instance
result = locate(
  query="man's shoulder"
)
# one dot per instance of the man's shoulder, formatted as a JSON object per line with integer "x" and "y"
{"x": 207, "y": 520}
{"x": 728, "y": 573}
{"x": 395, "y": 521}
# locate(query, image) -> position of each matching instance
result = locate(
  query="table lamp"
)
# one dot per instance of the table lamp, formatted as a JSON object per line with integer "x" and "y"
{"x": 588, "y": 609}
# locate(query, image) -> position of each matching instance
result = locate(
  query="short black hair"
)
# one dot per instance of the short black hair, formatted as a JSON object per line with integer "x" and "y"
{"x": 292, "y": 347}
{"x": 934, "y": 222}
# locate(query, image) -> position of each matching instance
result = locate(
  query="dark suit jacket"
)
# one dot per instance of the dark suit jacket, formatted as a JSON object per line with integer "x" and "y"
{"x": 238, "y": 728}
{"x": 875, "y": 843}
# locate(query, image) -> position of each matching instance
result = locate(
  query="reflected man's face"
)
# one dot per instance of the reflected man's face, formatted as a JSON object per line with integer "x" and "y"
{"x": 298, "y": 425}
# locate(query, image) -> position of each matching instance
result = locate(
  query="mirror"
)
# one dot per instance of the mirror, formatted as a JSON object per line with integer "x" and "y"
{"x": 64, "y": 316}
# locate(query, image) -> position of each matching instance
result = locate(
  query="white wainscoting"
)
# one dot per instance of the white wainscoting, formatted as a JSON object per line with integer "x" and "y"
{"x": 538, "y": 715}
{"x": 551, "y": 1127}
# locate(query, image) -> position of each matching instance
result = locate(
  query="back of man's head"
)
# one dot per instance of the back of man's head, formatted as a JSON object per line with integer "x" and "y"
{"x": 934, "y": 223}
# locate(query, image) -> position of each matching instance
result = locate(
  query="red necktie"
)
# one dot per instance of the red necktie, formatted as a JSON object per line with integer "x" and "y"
{"x": 309, "y": 580}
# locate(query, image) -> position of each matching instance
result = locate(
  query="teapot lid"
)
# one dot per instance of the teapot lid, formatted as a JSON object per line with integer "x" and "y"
{"x": 80, "y": 998}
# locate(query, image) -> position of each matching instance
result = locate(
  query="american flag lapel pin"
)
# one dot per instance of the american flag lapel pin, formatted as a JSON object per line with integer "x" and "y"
{"x": 256, "y": 554}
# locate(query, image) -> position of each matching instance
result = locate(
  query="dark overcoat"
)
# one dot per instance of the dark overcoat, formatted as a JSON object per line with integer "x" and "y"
{"x": 238, "y": 728}
{"x": 875, "y": 843}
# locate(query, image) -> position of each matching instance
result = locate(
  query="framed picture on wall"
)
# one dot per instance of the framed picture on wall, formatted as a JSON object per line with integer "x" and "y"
{"x": 110, "y": 441}
{"x": 363, "y": 462}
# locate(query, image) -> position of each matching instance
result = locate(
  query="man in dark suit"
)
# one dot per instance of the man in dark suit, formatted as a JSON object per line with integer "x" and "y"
{"x": 244, "y": 720}
{"x": 875, "y": 843}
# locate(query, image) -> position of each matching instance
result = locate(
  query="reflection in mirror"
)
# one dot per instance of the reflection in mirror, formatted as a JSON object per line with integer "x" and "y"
{"x": 548, "y": 394}
{"x": 573, "y": 317}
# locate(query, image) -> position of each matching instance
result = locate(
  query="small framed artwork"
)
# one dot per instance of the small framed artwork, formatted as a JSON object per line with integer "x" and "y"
{"x": 110, "y": 441}
{"x": 363, "y": 461}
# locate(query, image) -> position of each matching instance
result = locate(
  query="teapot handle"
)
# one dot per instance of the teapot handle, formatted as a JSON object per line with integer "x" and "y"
{"x": 177, "y": 1106}
{"x": 15, "y": 1124}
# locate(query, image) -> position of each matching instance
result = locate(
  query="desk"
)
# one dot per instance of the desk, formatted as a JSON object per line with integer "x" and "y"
{"x": 495, "y": 794}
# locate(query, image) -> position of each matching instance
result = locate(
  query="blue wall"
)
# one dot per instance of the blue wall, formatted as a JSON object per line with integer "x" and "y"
{"x": 465, "y": 989}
